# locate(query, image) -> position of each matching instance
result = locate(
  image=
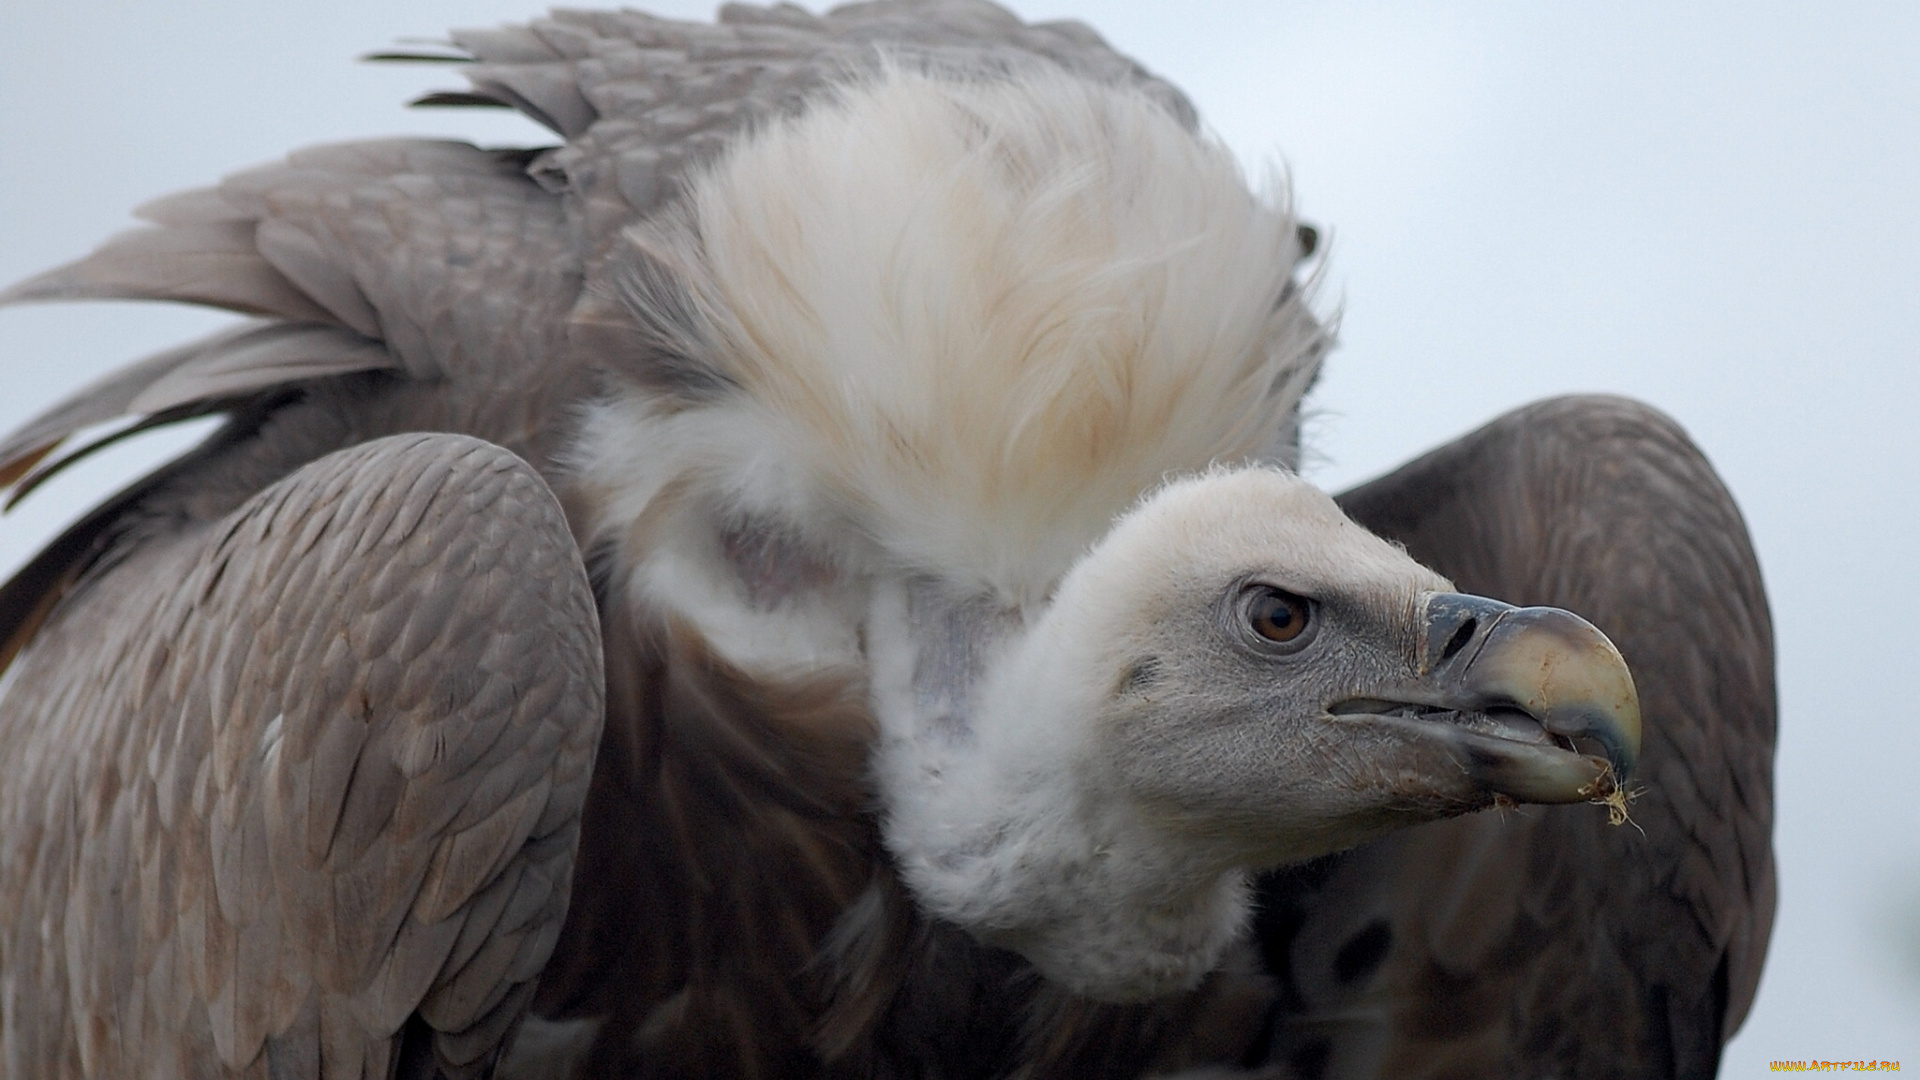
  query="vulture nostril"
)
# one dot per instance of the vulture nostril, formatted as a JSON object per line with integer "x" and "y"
{"x": 1362, "y": 953}
{"x": 1459, "y": 639}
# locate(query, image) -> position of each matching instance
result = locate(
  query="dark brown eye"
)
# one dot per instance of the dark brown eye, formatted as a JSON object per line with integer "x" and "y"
{"x": 1276, "y": 615}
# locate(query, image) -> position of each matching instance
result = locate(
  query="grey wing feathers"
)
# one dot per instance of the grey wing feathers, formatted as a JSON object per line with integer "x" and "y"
{"x": 212, "y": 263}
{"x": 1540, "y": 941}
{"x": 375, "y": 237}
{"x": 232, "y": 364}
{"x": 245, "y": 361}
{"x": 387, "y": 235}
{"x": 424, "y": 258}
{"x": 303, "y": 774}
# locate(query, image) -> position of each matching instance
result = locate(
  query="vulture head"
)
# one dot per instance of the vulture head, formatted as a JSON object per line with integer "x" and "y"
{"x": 980, "y": 394}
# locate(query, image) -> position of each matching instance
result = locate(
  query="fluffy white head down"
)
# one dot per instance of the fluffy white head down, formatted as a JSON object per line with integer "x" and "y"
{"x": 1041, "y": 827}
{"x": 968, "y": 323}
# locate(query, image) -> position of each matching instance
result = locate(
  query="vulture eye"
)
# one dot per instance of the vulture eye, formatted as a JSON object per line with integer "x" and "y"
{"x": 1276, "y": 615}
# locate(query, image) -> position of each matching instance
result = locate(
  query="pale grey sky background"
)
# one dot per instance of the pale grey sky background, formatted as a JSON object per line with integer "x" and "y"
{"x": 1714, "y": 207}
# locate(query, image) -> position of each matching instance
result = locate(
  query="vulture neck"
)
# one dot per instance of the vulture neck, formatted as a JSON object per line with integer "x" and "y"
{"x": 1003, "y": 820}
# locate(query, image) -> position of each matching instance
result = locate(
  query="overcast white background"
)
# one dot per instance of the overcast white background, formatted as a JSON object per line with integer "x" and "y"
{"x": 1715, "y": 209}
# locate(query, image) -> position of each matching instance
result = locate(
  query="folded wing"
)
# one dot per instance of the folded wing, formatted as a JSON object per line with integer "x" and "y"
{"x": 305, "y": 786}
{"x": 1541, "y": 941}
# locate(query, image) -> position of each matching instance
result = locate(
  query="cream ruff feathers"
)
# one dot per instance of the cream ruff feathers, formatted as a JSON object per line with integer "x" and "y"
{"x": 971, "y": 320}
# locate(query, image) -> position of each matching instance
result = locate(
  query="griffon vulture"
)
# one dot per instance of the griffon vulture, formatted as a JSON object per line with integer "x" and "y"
{"x": 803, "y": 578}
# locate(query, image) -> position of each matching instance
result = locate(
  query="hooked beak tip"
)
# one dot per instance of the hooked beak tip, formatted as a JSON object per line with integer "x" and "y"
{"x": 1553, "y": 665}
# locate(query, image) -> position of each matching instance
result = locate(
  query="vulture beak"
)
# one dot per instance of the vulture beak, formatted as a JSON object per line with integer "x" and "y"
{"x": 1520, "y": 697}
